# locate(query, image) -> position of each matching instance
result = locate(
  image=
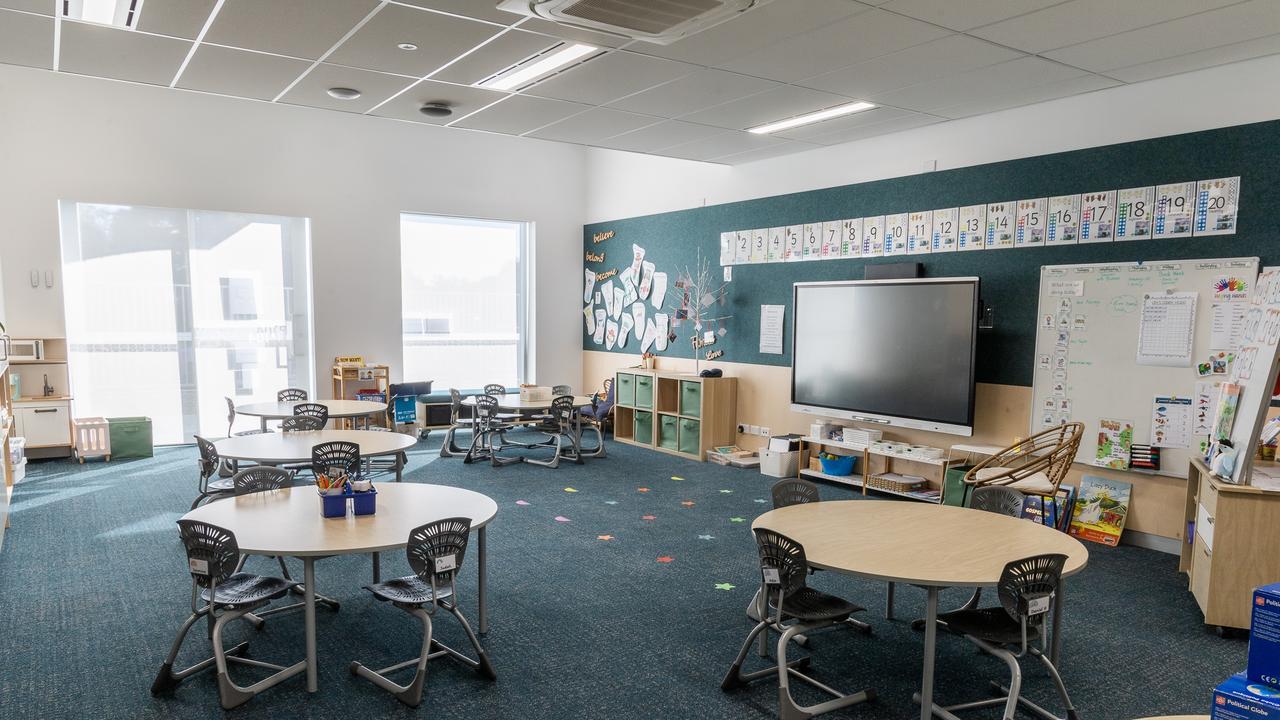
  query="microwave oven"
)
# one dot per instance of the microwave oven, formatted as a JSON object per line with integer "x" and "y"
{"x": 20, "y": 350}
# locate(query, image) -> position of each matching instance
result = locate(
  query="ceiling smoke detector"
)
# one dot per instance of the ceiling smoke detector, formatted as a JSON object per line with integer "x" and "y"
{"x": 657, "y": 22}
{"x": 436, "y": 109}
{"x": 343, "y": 93}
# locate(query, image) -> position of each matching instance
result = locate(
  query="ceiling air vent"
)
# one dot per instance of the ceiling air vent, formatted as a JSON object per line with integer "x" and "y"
{"x": 656, "y": 21}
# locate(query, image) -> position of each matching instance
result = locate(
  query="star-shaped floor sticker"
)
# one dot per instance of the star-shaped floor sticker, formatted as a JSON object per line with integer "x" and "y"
{"x": 706, "y": 537}
{"x": 761, "y": 500}
{"x": 522, "y": 502}
{"x": 604, "y": 537}
{"x": 642, "y": 489}
{"x": 726, "y": 492}
{"x": 725, "y": 586}
{"x": 648, "y": 517}
{"x": 570, "y": 490}
{"x": 687, "y": 503}
{"x": 737, "y": 519}
{"x": 610, "y": 502}
{"x": 676, "y": 477}
{"x": 561, "y": 518}
{"x": 665, "y": 559}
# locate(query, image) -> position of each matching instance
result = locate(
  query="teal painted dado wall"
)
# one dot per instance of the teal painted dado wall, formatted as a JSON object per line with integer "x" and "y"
{"x": 1010, "y": 278}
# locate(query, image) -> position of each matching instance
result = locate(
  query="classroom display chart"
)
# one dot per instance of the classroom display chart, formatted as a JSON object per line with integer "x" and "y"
{"x": 1087, "y": 332}
{"x": 1256, "y": 368}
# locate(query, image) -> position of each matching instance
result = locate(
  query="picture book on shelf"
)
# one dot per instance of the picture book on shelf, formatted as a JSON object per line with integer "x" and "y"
{"x": 1100, "y": 510}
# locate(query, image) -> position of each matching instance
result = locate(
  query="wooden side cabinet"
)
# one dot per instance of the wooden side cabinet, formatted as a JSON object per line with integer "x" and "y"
{"x": 684, "y": 415}
{"x": 1233, "y": 531}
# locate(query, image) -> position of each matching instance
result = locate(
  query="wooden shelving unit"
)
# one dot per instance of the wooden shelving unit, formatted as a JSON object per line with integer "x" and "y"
{"x": 44, "y": 420}
{"x": 684, "y": 415}
{"x": 348, "y": 378}
{"x": 932, "y": 470}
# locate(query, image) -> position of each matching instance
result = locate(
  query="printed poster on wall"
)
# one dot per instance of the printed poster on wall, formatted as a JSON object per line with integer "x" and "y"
{"x": 873, "y": 236}
{"x": 1217, "y": 202}
{"x": 832, "y": 236}
{"x": 1134, "y": 211}
{"x": 742, "y": 248}
{"x": 1175, "y": 204}
{"x": 1031, "y": 222}
{"x": 810, "y": 240}
{"x": 1064, "y": 220}
{"x": 945, "y": 224}
{"x": 895, "y": 234}
{"x": 759, "y": 249}
{"x": 1097, "y": 217}
{"x": 851, "y": 245}
{"x": 919, "y": 232}
{"x": 1115, "y": 440}
{"x": 1000, "y": 222}
{"x": 793, "y": 249}
{"x": 1171, "y": 422}
{"x": 777, "y": 241}
{"x": 727, "y": 242}
{"x": 972, "y": 228}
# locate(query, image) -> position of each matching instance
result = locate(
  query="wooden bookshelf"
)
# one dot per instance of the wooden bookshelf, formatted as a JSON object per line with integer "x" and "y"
{"x": 872, "y": 463}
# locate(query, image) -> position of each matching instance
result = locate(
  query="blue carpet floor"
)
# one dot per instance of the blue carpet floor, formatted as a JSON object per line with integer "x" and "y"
{"x": 93, "y": 587}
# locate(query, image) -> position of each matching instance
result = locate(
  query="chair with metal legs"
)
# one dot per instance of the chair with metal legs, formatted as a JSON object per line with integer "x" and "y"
{"x": 389, "y": 465}
{"x": 211, "y": 485}
{"x": 435, "y": 553}
{"x": 301, "y": 423}
{"x": 783, "y": 571}
{"x": 485, "y": 429}
{"x": 222, "y": 595}
{"x": 335, "y": 454}
{"x": 291, "y": 395}
{"x": 597, "y": 419}
{"x": 1027, "y": 590}
{"x": 312, "y": 409}
{"x": 456, "y": 423}
{"x": 564, "y": 415}
{"x": 498, "y": 390}
{"x": 546, "y": 420}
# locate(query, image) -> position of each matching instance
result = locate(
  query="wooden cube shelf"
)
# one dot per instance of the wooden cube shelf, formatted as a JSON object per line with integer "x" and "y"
{"x": 684, "y": 415}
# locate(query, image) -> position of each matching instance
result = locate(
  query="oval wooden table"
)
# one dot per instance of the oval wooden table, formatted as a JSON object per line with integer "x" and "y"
{"x": 927, "y": 545}
{"x": 337, "y": 409}
{"x": 286, "y": 448}
{"x": 287, "y": 522}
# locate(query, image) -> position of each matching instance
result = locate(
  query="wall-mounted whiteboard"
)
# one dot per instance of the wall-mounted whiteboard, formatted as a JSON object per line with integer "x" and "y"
{"x": 1090, "y": 337}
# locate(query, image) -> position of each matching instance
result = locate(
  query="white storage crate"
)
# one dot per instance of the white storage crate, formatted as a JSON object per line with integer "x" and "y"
{"x": 92, "y": 438}
{"x": 779, "y": 464}
{"x": 534, "y": 393}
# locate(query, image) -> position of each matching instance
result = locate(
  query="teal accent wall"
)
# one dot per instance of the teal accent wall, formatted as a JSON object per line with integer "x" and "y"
{"x": 1010, "y": 278}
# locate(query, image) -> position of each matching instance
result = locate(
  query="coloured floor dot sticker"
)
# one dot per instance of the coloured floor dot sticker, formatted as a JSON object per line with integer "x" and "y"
{"x": 648, "y": 517}
{"x": 561, "y": 518}
{"x": 665, "y": 559}
{"x": 737, "y": 519}
{"x": 725, "y": 586}
{"x": 604, "y": 537}
{"x": 522, "y": 502}
{"x": 570, "y": 490}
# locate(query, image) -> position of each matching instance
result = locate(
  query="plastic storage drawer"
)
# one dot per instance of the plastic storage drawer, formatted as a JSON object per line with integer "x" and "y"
{"x": 130, "y": 437}
{"x": 644, "y": 427}
{"x": 626, "y": 389}
{"x": 668, "y": 426}
{"x": 690, "y": 437}
{"x": 690, "y": 398}
{"x": 644, "y": 391}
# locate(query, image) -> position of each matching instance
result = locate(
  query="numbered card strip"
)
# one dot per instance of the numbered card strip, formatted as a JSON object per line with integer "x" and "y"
{"x": 920, "y": 233}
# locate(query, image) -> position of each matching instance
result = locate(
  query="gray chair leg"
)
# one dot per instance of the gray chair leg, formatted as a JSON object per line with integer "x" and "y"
{"x": 231, "y": 695}
{"x": 554, "y": 461}
{"x": 597, "y": 451}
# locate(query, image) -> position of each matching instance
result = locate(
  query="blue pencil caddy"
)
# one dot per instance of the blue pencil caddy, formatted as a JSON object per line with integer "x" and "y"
{"x": 365, "y": 503}
{"x": 335, "y": 506}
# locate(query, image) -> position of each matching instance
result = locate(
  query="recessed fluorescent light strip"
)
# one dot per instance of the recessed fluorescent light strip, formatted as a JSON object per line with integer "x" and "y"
{"x": 812, "y": 117}
{"x": 120, "y": 13}
{"x": 520, "y": 76}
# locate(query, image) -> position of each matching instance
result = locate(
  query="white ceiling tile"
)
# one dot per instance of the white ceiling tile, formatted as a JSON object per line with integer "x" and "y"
{"x": 780, "y": 103}
{"x": 992, "y": 81}
{"x": 860, "y": 37}
{"x": 495, "y": 56}
{"x": 177, "y": 18}
{"x": 941, "y": 58}
{"x": 1190, "y": 62}
{"x": 965, "y": 14}
{"x": 1237, "y": 23}
{"x": 564, "y": 32}
{"x": 240, "y": 73}
{"x": 301, "y": 28}
{"x": 764, "y": 153}
{"x": 519, "y": 114}
{"x": 26, "y": 39}
{"x": 873, "y": 116}
{"x": 1079, "y": 21}
{"x": 44, "y": 7}
{"x": 726, "y": 143}
{"x": 440, "y": 39}
{"x": 593, "y": 126}
{"x": 484, "y": 10}
{"x": 1028, "y": 96}
{"x": 898, "y": 124}
{"x": 374, "y": 88}
{"x": 609, "y": 77}
{"x": 662, "y": 135}
{"x": 753, "y": 29}
{"x": 462, "y": 99}
{"x": 110, "y": 52}
{"x": 700, "y": 90}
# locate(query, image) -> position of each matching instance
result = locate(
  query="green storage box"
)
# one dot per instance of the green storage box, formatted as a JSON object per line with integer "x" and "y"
{"x": 667, "y": 429}
{"x": 130, "y": 437}
{"x": 626, "y": 389}
{"x": 690, "y": 398}
{"x": 644, "y": 391}
{"x": 954, "y": 491}
{"x": 644, "y": 427}
{"x": 690, "y": 437}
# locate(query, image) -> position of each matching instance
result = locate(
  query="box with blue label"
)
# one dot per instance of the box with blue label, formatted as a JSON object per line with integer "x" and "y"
{"x": 1239, "y": 699}
{"x": 1264, "y": 636}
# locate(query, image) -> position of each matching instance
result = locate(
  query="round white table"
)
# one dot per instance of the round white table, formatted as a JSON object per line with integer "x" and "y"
{"x": 287, "y": 522}
{"x": 513, "y": 403}
{"x": 286, "y": 448}
{"x": 931, "y": 546}
{"x": 337, "y": 409}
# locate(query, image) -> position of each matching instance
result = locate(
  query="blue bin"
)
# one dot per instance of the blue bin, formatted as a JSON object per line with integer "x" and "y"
{"x": 335, "y": 506}
{"x": 365, "y": 503}
{"x": 842, "y": 465}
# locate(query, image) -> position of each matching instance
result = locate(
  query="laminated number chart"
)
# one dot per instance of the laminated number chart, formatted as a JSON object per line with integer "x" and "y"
{"x": 1166, "y": 329}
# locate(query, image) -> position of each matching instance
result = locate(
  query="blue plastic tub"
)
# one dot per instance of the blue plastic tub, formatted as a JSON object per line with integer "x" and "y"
{"x": 365, "y": 503}
{"x": 335, "y": 506}
{"x": 842, "y": 465}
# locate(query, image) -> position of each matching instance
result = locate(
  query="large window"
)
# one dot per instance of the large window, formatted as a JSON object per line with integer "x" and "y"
{"x": 171, "y": 311}
{"x": 464, "y": 288}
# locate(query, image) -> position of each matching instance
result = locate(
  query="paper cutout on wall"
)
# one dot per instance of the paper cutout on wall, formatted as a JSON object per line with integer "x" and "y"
{"x": 598, "y": 337}
{"x": 637, "y": 312}
{"x": 590, "y": 319}
{"x": 650, "y": 336}
{"x": 637, "y": 255}
{"x": 646, "y": 279}
{"x": 659, "y": 289}
{"x": 590, "y": 284}
{"x": 629, "y": 292}
{"x": 606, "y": 290}
{"x": 610, "y": 334}
{"x": 616, "y": 310}
{"x": 663, "y": 330}
{"x": 627, "y": 323}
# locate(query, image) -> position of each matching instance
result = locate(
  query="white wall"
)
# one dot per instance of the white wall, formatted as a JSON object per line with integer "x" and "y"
{"x": 627, "y": 185}
{"x": 67, "y": 137}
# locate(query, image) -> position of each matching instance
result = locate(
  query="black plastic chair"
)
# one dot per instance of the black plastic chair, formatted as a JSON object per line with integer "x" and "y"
{"x": 291, "y": 395}
{"x": 456, "y": 422}
{"x": 335, "y": 454}
{"x": 783, "y": 571}
{"x": 488, "y": 433}
{"x": 598, "y": 418}
{"x": 435, "y": 552}
{"x": 231, "y": 421}
{"x": 211, "y": 485}
{"x": 312, "y": 409}
{"x": 498, "y": 390}
{"x": 393, "y": 464}
{"x": 222, "y": 595}
{"x": 1028, "y": 591}
{"x": 301, "y": 423}
{"x": 565, "y": 418}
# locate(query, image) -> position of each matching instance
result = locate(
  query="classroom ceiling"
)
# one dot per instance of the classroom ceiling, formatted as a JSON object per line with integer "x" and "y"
{"x": 919, "y": 61}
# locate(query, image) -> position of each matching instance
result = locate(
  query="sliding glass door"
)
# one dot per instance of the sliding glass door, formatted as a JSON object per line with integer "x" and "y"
{"x": 171, "y": 311}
